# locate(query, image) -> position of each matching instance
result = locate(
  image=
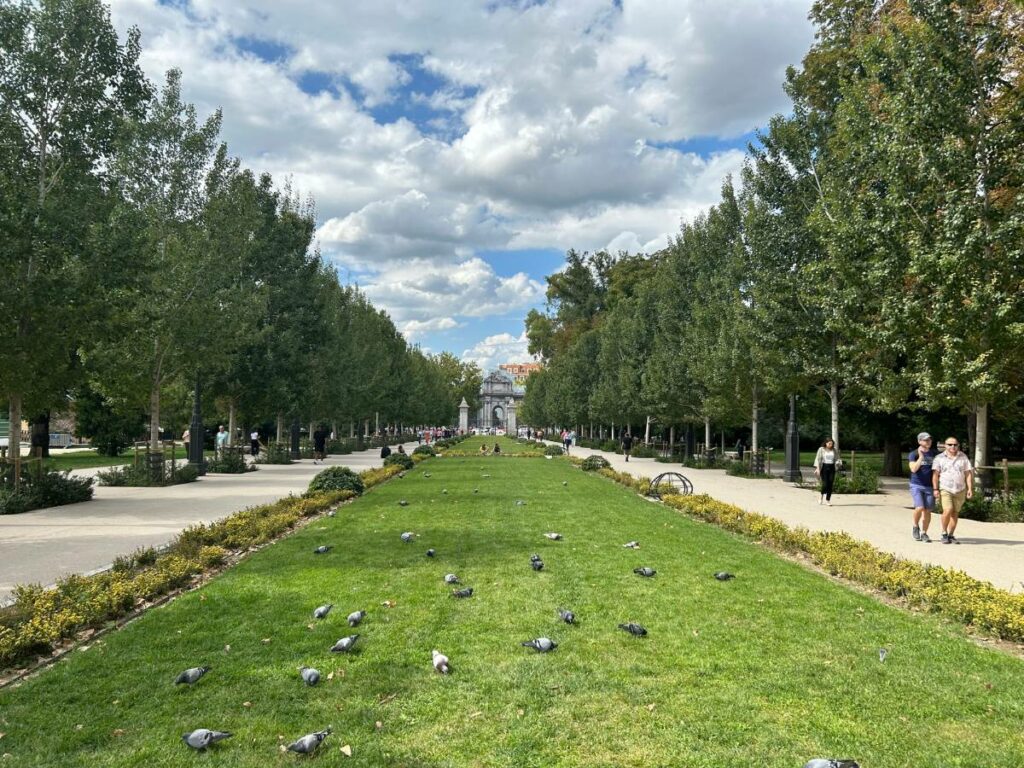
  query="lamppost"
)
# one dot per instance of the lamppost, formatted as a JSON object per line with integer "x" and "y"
{"x": 792, "y": 472}
{"x": 195, "y": 431}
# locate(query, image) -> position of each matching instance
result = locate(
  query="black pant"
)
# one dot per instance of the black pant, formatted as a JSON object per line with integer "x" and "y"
{"x": 828, "y": 480}
{"x": 254, "y": 447}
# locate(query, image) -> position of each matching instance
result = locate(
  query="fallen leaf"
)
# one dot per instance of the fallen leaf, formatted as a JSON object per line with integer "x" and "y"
{"x": 4, "y": 734}
{"x": 119, "y": 731}
{"x": 650, "y": 707}
{"x": 696, "y": 633}
{"x": 282, "y": 747}
{"x": 330, "y": 675}
{"x": 389, "y": 603}
{"x": 246, "y": 704}
{"x": 280, "y": 737}
{"x": 311, "y": 626}
{"x": 116, "y": 702}
{"x": 389, "y": 698}
{"x": 202, "y": 598}
{"x": 265, "y": 641}
{"x": 347, "y": 750}
{"x": 475, "y": 714}
{"x": 79, "y": 727}
{"x": 989, "y": 686}
{"x": 520, "y": 712}
{"x": 227, "y": 648}
{"x": 379, "y": 725}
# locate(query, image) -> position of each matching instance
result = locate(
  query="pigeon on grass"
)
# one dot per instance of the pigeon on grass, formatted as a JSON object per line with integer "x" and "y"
{"x": 534, "y": 558}
{"x": 724, "y": 576}
{"x": 541, "y": 644}
{"x": 633, "y": 629}
{"x": 431, "y": 553}
{"x": 408, "y": 536}
{"x": 323, "y": 549}
{"x": 440, "y": 662}
{"x": 191, "y": 676}
{"x": 201, "y": 738}
{"x": 824, "y": 762}
{"x": 309, "y": 675}
{"x": 553, "y": 536}
{"x": 308, "y": 743}
{"x": 645, "y": 572}
{"x": 537, "y": 565}
{"x": 631, "y": 545}
{"x": 467, "y": 592}
{"x": 322, "y": 611}
{"x": 344, "y": 645}
{"x": 567, "y": 616}
{"x": 355, "y": 617}
{"x": 451, "y": 578}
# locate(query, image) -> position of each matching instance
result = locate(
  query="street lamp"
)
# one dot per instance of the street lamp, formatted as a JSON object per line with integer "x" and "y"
{"x": 195, "y": 431}
{"x": 792, "y": 472}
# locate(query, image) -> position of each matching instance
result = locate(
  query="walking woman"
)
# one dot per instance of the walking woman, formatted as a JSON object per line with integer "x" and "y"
{"x": 825, "y": 463}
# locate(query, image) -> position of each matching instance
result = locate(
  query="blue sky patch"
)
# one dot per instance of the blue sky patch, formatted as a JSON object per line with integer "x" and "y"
{"x": 705, "y": 146}
{"x": 263, "y": 49}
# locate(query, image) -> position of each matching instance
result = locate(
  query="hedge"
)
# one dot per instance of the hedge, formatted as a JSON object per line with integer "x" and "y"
{"x": 950, "y": 593}
{"x": 42, "y": 619}
{"x": 402, "y": 460}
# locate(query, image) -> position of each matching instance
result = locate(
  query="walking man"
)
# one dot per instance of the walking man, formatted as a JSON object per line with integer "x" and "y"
{"x": 953, "y": 480}
{"x": 627, "y": 444}
{"x": 222, "y": 441}
{"x": 921, "y": 492}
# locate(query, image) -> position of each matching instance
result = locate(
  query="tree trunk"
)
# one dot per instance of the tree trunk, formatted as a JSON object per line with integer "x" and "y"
{"x": 892, "y": 457}
{"x": 15, "y": 431}
{"x": 40, "y": 435}
{"x": 647, "y": 432}
{"x": 366, "y": 428}
{"x": 351, "y": 428}
{"x": 671, "y": 439}
{"x": 231, "y": 421}
{"x": 154, "y": 417}
{"x": 833, "y": 396}
{"x": 981, "y": 445}
{"x": 753, "y": 422}
{"x": 280, "y": 428}
{"x": 707, "y": 433}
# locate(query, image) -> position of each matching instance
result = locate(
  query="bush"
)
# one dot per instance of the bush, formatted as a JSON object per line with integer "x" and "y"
{"x": 864, "y": 480}
{"x": 336, "y": 479}
{"x": 553, "y": 450}
{"x": 998, "y": 509}
{"x": 276, "y": 453}
{"x": 609, "y": 445}
{"x": 703, "y": 462}
{"x": 741, "y": 469}
{"x": 427, "y": 450}
{"x": 230, "y": 463}
{"x": 594, "y": 463}
{"x": 49, "y": 489}
{"x": 399, "y": 460}
{"x": 642, "y": 451}
{"x": 139, "y": 476}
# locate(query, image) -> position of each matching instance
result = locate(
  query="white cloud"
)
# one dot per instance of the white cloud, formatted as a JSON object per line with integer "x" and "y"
{"x": 413, "y": 329}
{"x": 498, "y": 349}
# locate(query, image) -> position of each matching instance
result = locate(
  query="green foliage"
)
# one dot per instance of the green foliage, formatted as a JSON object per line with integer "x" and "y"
{"x": 426, "y": 450}
{"x": 553, "y": 450}
{"x": 109, "y": 427}
{"x": 863, "y": 480}
{"x": 336, "y": 479}
{"x": 742, "y": 469}
{"x": 276, "y": 453}
{"x": 997, "y": 509}
{"x": 641, "y": 451}
{"x": 231, "y": 463}
{"x": 139, "y": 475}
{"x": 49, "y": 489}
{"x": 594, "y": 463}
{"x": 400, "y": 460}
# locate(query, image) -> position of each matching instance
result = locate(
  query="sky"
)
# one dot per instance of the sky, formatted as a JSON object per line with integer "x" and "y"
{"x": 456, "y": 149}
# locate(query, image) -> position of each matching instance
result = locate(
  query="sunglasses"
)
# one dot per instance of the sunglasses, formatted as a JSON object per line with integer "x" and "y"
{"x": 952, "y": 445}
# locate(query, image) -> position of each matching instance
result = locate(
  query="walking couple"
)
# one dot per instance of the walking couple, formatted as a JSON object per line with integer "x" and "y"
{"x": 949, "y": 475}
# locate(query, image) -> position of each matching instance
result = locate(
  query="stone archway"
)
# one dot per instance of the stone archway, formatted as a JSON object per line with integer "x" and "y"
{"x": 498, "y": 416}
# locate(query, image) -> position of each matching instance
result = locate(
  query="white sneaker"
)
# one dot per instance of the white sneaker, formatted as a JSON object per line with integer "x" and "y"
{"x": 828, "y": 502}
{"x": 820, "y": 501}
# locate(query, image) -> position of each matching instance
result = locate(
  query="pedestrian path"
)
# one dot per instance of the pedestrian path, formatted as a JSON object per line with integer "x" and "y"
{"x": 992, "y": 552}
{"x": 40, "y": 547}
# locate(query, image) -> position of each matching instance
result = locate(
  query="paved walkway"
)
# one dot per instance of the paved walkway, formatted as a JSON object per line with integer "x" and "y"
{"x": 41, "y": 546}
{"x": 992, "y": 552}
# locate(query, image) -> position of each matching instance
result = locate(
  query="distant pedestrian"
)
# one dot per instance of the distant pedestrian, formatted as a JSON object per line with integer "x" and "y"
{"x": 320, "y": 444}
{"x": 627, "y": 444}
{"x": 401, "y": 449}
{"x": 385, "y": 451}
{"x": 566, "y": 440}
{"x": 222, "y": 441}
{"x": 953, "y": 480}
{"x": 254, "y": 442}
{"x": 826, "y": 461}
{"x": 739, "y": 449}
{"x": 921, "y": 492}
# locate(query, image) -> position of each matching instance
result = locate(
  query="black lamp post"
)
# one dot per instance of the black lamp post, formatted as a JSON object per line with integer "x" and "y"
{"x": 295, "y": 438}
{"x": 792, "y": 472}
{"x": 195, "y": 431}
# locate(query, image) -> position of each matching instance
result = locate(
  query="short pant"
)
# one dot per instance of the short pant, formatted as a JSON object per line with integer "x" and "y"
{"x": 922, "y": 497}
{"x": 953, "y": 502}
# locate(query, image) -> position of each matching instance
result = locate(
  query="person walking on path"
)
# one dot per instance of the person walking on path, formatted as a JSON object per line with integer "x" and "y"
{"x": 320, "y": 444}
{"x": 826, "y": 460}
{"x": 385, "y": 451}
{"x": 953, "y": 480}
{"x": 222, "y": 441}
{"x": 627, "y": 444}
{"x": 254, "y": 443}
{"x": 566, "y": 441}
{"x": 921, "y": 492}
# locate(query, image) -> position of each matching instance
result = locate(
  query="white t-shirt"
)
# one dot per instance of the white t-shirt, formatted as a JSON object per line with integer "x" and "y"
{"x": 952, "y": 471}
{"x": 254, "y": 436}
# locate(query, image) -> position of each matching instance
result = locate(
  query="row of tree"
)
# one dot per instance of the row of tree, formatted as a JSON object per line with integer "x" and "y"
{"x": 873, "y": 249}
{"x": 137, "y": 254}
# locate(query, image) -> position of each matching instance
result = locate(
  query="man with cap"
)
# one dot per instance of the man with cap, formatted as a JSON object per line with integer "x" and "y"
{"x": 921, "y": 492}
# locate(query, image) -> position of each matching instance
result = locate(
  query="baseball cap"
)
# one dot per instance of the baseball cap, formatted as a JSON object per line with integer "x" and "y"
{"x": 923, "y": 436}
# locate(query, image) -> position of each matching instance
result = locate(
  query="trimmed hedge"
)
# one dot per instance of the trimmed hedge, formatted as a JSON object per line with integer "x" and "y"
{"x": 50, "y": 489}
{"x": 421, "y": 450}
{"x": 594, "y": 462}
{"x": 138, "y": 476}
{"x": 42, "y": 619}
{"x": 399, "y": 460}
{"x": 336, "y": 479}
{"x": 553, "y": 450}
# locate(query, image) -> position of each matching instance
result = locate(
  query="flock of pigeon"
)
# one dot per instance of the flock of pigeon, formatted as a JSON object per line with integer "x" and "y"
{"x": 202, "y": 738}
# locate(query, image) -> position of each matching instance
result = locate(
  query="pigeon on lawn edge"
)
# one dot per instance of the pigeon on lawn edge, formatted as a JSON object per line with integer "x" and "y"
{"x": 567, "y": 616}
{"x": 309, "y": 675}
{"x": 322, "y": 611}
{"x": 201, "y": 738}
{"x": 467, "y": 592}
{"x": 645, "y": 572}
{"x": 822, "y": 762}
{"x": 541, "y": 644}
{"x": 355, "y": 617}
{"x": 309, "y": 742}
{"x": 323, "y": 549}
{"x": 191, "y": 675}
{"x": 440, "y": 662}
{"x": 344, "y": 645}
{"x": 634, "y": 629}
{"x": 724, "y": 576}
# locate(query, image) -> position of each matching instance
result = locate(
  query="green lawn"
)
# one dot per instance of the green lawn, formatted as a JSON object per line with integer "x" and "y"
{"x": 87, "y": 459}
{"x": 771, "y": 669}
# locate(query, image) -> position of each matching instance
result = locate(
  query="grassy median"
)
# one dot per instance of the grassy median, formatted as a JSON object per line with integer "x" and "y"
{"x": 770, "y": 669}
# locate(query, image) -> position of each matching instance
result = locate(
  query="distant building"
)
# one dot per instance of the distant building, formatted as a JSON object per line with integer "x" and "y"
{"x": 520, "y": 372}
{"x": 497, "y": 392}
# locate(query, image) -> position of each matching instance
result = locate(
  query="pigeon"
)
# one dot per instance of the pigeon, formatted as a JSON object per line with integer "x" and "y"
{"x": 821, "y": 762}
{"x": 323, "y": 549}
{"x": 541, "y": 644}
{"x": 567, "y": 616}
{"x": 549, "y": 458}
{"x": 309, "y": 675}
{"x": 332, "y": 513}
{"x": 553, "y": 536}
{"x": 345, "y": 644}
{"x": 431, "y": 553}
{"x": 631, "y": 545}
{"x": 441, "y": 662}
{"x": 322, "y": 611}
{"x": 520, "y": 503}
{"x": 201, "y": 738}
{"x": 537, "y": 565}
{"x": 565, "y": 482}
{"x": 534, "y": 558}
{"x": 426, "y": 474}
{"x": 444, "y": 491}
{"x": 645, "y": 571}
{"x": 633, "y": 629}
{"x": 451, "y": 578}
{"x": 485, "y": 475}
{"x": 476, "y": 490}
{"x": 403, "y": 503}
{"x": 309, "y": 742}
{"x": 190, "y": 676}
{"x": 882, "y": 653}
{"x": 356, "y": 617}
{"x": 724, "y": 576}
{"x": 467, "y": 592}
{"x": 408, "y": 536}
